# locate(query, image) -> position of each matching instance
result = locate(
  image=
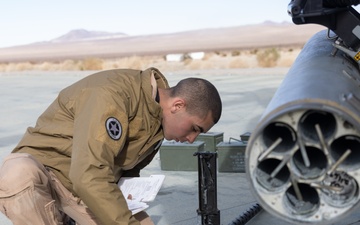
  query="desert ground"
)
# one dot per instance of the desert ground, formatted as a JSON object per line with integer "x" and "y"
{"x": 255, "y": 58}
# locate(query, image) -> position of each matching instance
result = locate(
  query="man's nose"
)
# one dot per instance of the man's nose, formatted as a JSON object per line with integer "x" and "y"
{"x": 191, "y": 137}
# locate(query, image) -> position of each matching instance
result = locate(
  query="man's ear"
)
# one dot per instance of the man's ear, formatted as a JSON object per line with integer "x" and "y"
{"x": 177, "y": 105}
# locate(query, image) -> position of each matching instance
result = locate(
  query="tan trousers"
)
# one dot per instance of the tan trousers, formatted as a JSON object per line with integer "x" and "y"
{"x": 30, "y": 194}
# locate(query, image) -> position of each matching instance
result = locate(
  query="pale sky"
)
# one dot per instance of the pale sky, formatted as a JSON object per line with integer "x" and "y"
{"x": 24, "y": 22}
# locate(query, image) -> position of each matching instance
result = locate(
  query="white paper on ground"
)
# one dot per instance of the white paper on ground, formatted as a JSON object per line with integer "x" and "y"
{"x": 139, "y": 190}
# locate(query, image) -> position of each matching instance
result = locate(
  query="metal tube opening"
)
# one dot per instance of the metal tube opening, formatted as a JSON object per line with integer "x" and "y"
{"x": 317, "y": 159}
{"x": 309, "y": 203}
{"x": 341, "y": 188}
{"x": 326, "y": 121}
{"x": 341, "y": 145}
{"x": 264, "y": 174}
{"x": 277, "y": 130}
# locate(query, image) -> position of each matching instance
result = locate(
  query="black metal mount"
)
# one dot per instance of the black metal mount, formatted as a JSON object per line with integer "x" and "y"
{"x": 208, "y": 211}
{"x": 337, "y": 15}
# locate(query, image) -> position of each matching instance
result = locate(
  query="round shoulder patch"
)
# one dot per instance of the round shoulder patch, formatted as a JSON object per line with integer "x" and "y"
{"x": 113, "y": 128}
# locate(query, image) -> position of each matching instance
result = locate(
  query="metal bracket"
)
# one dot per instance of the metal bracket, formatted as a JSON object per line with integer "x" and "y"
{"x": 353, "y": 54}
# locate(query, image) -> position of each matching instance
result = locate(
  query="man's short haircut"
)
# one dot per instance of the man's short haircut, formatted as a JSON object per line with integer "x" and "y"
{"x": 200, "y": 96}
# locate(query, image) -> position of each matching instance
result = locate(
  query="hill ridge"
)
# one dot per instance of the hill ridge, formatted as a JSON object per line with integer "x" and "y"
{"x": 213, "y": 39}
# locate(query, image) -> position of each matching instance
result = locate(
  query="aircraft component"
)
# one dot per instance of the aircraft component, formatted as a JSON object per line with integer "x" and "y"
{"x": 303, "y": 158}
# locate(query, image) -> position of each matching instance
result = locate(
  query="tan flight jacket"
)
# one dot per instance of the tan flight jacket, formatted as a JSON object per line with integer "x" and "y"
{"x": 71, "y": 137}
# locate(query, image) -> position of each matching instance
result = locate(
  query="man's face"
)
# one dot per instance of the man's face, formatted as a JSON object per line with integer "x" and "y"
{"x": 181, "y": 126}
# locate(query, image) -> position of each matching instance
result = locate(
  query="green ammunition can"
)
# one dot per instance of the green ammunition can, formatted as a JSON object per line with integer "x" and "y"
{"x": 231, "y": 156}
{"x": 211, "y": 139}
{"x": 176, "y": 156}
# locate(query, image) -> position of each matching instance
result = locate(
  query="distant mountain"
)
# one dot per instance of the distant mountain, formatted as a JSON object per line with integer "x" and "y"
{"x": 85, "y": 35}
{"x": 80, "y": 44}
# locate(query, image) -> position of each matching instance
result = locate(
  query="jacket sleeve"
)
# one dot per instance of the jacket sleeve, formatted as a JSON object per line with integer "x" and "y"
{"x": 94, "y": 150}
